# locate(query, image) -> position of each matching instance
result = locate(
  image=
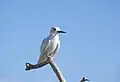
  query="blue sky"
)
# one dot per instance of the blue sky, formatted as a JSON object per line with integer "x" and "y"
{"x": 90, "y": 48}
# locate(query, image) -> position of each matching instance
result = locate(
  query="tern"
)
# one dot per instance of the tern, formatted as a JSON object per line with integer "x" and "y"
{"x": 84, "y": 79}
{"x": 50, "y": 45}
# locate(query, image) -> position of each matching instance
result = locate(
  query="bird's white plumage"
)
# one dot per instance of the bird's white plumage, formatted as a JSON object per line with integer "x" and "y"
{"x": 84, "y": 79}
{"x": 50, "y": 45}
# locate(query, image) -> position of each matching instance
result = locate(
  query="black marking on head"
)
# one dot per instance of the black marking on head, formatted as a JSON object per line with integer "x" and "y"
{"x": 54, "y": 29}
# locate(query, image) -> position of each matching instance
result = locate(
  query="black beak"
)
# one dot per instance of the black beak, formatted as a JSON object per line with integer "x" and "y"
{"x": 61, "y": 32}
{"x": 87, "y": 80}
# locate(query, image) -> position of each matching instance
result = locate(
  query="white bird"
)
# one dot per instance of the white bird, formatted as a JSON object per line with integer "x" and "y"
{"x": 84, "y": 79}
{"x": 50, "y": 45}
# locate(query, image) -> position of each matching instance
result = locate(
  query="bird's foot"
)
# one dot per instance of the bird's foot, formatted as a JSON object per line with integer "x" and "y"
{"x": 50, "y": 58}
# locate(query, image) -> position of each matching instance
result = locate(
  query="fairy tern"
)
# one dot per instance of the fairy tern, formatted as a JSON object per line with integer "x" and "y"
{"x": 50, "y": 45}
{"x": 84, "y": 79}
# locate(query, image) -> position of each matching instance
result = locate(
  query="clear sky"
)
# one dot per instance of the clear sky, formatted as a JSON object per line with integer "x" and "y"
{"x": 90, "y": 48}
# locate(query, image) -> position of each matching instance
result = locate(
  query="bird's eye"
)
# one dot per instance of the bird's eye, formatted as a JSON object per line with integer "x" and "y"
{"x": 54, "y": 29}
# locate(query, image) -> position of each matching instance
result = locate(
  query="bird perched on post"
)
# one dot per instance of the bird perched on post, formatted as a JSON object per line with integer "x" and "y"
{"x": 84, "y": 79}
{"x": 50, "y": 45}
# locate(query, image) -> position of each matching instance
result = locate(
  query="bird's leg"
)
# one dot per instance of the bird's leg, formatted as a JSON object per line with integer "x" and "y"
{"x": 50, "y": 58}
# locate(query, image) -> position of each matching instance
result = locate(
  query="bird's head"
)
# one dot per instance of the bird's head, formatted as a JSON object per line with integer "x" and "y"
{"x": 84, "y": 79}
{"x": 55, "y": 30}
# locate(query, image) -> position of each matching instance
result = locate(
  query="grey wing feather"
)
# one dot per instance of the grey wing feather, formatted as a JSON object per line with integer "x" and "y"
{"x": 56, "y": 49}
{"x": 43, "y": 49}
{"x": 44, "y": 45}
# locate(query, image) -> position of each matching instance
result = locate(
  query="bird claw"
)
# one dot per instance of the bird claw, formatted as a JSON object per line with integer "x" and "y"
{"x": 50, "y": 58}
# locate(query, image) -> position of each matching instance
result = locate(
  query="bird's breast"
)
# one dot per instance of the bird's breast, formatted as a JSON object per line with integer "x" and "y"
{"x": 52, "y": 45}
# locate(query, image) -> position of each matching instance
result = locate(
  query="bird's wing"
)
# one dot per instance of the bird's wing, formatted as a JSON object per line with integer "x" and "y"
{"x": 44, "y": 46}
{"x": 56, "y": 49}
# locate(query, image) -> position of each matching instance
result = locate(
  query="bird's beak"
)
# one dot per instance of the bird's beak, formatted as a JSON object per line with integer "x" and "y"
{"x": 61, "y": 32}
{"x": 87, "y": 80}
